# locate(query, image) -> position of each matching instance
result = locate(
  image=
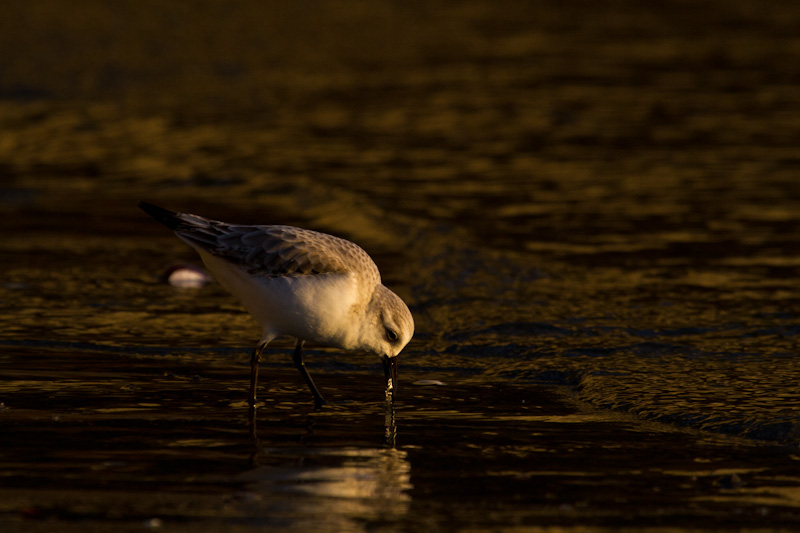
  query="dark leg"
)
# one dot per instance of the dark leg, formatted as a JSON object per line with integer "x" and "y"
{"x": 254, "y": 359}
{"x": 297, "y": 357}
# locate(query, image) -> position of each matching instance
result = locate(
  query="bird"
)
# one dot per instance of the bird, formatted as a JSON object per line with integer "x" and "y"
{"x": 305, "y": 284}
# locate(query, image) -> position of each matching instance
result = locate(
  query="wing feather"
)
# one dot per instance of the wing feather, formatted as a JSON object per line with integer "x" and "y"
{"x": 270, "y": 251}
{"x": 273, "y": 251}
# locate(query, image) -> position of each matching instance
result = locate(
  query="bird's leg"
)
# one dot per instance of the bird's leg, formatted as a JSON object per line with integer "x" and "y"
{"x": 254, "y": 359}
{"x": 297, "y": 357}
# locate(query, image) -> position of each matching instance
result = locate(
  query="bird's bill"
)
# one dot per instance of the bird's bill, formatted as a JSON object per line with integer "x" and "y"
{"x": 390, "y": 373}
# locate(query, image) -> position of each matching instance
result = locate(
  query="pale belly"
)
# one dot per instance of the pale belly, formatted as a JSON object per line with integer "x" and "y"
{"x": 316, "y": 308}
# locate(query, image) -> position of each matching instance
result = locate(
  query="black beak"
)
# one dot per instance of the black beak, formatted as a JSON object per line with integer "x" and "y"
{"x": 390, "y": 374}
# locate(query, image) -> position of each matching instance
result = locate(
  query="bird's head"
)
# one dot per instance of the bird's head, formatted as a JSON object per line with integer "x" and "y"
{"x": 389, "y": 327}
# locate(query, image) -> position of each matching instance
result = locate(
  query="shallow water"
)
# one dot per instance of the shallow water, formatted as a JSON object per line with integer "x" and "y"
{"x": 591, "y": 211}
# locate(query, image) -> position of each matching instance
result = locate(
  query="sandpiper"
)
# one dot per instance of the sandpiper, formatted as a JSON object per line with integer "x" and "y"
{"x": 302, "y": 283}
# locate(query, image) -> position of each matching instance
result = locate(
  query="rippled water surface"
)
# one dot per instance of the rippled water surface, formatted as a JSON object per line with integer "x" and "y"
{"x": 593, "y": 213}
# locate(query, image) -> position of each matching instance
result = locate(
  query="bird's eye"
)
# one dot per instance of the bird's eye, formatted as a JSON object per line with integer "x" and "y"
{"x": 391, "y": 335}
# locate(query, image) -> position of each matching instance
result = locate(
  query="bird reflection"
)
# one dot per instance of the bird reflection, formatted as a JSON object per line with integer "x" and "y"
{"x": 389, "y": 422}
{"x": 345, "y": 486}
{"x": 251, "y": 419}
{"x": 389, "y": 428}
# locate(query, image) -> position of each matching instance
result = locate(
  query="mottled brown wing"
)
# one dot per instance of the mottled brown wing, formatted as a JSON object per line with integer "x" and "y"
{"x": 274, "y": 251}
{"x": 270, "y": 251}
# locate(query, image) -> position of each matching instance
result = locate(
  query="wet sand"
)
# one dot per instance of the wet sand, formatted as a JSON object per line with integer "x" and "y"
{"x": 159, "y": 441}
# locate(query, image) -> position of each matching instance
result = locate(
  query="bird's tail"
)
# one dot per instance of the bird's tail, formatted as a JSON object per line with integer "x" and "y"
{"x": 169, "y": 218}
{"x": 197, "y": 231}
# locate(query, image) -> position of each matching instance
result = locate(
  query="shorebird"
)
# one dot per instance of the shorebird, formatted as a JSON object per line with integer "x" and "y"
{"x": 302, "y": 283}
